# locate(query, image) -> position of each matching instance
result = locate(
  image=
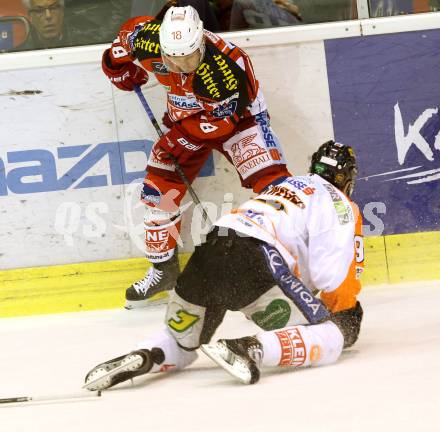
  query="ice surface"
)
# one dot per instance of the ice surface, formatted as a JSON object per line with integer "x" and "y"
{"x": 389, "y": 381}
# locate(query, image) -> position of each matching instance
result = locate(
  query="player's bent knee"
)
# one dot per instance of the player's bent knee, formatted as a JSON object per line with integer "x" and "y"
{"x": 185, "y": 321}
{"x": 190, "y": 324}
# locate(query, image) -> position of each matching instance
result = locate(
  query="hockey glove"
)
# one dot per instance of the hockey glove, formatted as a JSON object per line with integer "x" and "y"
{"x": 124, "y": 77}
{"x": 175, "y": 143}
{"x": 167, "y": 122}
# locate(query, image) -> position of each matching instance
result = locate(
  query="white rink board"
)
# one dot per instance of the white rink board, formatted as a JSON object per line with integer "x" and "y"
{"x": 389, "y": 380}
{"x": 294, "y": 81}
{"x": 75, "y": 105}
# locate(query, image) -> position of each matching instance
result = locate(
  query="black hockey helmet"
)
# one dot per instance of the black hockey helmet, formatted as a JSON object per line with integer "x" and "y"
{"x": 336, "y": 163}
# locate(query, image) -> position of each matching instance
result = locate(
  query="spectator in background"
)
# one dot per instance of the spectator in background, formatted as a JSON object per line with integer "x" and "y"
{"x": 148, "y": 7}
{"x": 64, "y": 23}
{"x": 258, "y": 14}
{"x": 290, "y": 7}
{"x": 434, "y": 5}
{"x": 203, "y": 7}
{"x": 320, "y": 11}
{"x": 96, "y": 21}
{"x": 383, "y": 8}
{"x": 206, "y": 13}
{"x": 223, "y": 12}
{"x": 47, "y": 25}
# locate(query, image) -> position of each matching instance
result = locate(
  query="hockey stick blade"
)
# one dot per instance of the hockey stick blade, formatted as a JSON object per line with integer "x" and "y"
{"x": 231, "y": 363}
{"x": 50, "y": 397}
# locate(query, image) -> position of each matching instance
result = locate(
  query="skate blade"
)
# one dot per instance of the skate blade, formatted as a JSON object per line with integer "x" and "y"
{"x": 156, "y": 300}
{"x": 104, "y": 380}
{"x": 231, "y": 363}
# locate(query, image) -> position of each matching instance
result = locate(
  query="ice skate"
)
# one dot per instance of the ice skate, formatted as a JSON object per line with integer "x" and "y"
{"x": 239, "y": 357}
{"x": 154, "y": 288}
{"x": 123, "y": 368}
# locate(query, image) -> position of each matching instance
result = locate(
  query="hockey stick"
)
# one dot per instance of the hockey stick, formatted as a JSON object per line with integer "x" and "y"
{"x": 179, "y": 170}
{"x": 51, "y": 397}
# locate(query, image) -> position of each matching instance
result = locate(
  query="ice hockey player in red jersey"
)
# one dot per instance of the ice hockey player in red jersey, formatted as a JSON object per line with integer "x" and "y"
{"x": 213, "y": 102}
{"x": 268, "y": 259}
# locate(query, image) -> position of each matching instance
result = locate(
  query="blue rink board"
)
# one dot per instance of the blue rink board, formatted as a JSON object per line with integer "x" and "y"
{"x": 385, "y": 96}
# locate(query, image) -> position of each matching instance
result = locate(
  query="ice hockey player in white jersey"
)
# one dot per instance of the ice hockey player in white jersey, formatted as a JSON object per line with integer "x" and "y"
{"x": 290, "y": 259}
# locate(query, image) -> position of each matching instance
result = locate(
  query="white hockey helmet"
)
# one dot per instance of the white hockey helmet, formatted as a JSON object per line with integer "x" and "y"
{"x": 181, "y": 39}
{"x": 181, "y": 31}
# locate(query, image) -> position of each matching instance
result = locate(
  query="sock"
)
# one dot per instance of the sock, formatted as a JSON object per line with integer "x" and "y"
{"x": 311, "y": 345}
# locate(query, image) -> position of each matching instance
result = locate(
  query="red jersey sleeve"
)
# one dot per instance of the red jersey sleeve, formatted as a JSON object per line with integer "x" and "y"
{"x": 122, "y": 49}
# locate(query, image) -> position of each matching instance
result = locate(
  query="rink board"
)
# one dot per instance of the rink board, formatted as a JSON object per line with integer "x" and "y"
{"x": 69, "y": 288}
{"x": 71, "y": 166}
{"x": 385, "y": 102}
{"x": 101, "y": 285}
{"x": 74, "y": 150}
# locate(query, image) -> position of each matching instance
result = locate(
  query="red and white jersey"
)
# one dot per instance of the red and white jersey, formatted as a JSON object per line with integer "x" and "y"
{"x": 316, "y": 228}
{"x": 208, "y": 103}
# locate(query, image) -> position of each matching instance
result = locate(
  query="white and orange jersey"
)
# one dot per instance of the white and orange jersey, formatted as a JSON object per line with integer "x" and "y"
{"x": 316, "y": 228}
{"x": 207, "y": 104}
